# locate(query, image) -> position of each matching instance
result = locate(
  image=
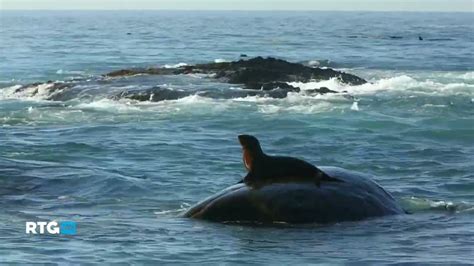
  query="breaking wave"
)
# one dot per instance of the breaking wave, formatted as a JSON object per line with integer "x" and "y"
{"x": 401, "y": 84}
{"x": 397, "y": 84}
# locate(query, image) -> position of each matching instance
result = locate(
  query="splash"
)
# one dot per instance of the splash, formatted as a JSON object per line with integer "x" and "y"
{"x": 415, "y": 204}
{"x": 401, "y": 84}
{"x": 220, "y": 60}
{"x": 355, "y": 106}
{"x": 175, "y": 65}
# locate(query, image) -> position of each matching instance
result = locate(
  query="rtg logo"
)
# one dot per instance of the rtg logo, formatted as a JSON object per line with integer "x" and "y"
{"x": 53, "y": 228}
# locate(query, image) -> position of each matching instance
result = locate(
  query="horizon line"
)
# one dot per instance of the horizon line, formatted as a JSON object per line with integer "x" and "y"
{"x": 244, "y": 10}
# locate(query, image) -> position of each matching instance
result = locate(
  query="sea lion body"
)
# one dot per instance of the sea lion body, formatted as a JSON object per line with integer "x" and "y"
{"x": 265, "y": 169}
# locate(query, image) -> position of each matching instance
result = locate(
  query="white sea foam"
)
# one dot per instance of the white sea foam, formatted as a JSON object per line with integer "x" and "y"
{"x": 69, "y": 72}
{"x": 434, "y": 105}
{"x": 183, "y": 207}
{"x": 420, "y": 204}
{"x": 355, "y": 106}
{"x": 108, "y": 105}
{"x": 467, "y": 76}
{"x": 201, "y": 75}
{"x": 37, "y": 92}
{"x": 399, "y": 84}
{"x": 220, "y": 60}
{"x": 303, "y": 102}
{"x": 8, "y": 92}
{"x": 318, "y": 63}
{"x": 175, "y": 65}
{"x": 332, "y": 84}
{"x": 460, "y": 76}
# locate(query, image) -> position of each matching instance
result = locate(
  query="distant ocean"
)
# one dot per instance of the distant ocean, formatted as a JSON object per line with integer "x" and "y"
{"x": 124, "y": 170}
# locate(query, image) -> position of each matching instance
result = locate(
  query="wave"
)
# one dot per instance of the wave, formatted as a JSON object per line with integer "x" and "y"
{"x": 320, "y": 63}
{"x": 397, "y": 84}
{"x": 107, "y": 105}
{"x": 70, "y": 72}
{"x": 175, "y": 65}
{"x": 220, "y": 60}
{"x": 38, "y": 91}
{"x": 464, "y": 76}
{"x": 132, "y": 94}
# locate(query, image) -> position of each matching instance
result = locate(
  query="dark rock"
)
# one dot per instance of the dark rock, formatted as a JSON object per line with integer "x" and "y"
{"x": 322, "y": 90}
{"x": 272, "y": 86}
{"x": 251, "y": 72}
{"x": 124, "y": 72}
{"x": 150, "y": 71}
{"x": 243, "y": 55}
{"x": 155, "y": 94}
{"x": 276, "y": 93}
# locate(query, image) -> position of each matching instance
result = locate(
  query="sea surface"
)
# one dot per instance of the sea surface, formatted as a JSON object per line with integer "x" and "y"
{"x": 124, "y": 171}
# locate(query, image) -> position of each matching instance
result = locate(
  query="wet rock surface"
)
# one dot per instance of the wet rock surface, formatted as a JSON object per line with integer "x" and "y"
{"x": 262, "y": 77}
{"x": 253, "y": 73}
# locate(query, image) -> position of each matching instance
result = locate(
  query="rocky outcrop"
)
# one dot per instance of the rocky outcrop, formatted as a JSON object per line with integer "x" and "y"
{"x": 256, "y": 73}
{"x": 263, "y": 77}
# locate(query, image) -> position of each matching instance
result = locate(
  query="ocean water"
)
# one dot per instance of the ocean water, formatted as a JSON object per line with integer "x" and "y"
{"x": 125, "y": 170}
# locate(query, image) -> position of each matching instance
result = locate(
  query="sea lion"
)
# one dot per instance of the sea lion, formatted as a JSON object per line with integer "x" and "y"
{"x": 263, "y": 169}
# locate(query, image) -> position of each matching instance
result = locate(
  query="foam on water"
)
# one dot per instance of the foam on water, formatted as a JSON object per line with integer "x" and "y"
{"x": 396, "y": 84}
{"x": 294, "y": 103}
{"x": 220, "y": 60}
{"x": 175, "y": 65}
{"x": 33, "y": 93}
{"x": 69, "y": 72}
{"x": 355, "y": 106}
{"x": 108, "y": 105}
{"x": 417, "y": 204}
{"x": 400, "y": 84}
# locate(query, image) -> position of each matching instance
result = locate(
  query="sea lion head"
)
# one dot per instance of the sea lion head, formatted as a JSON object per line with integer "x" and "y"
{"x": 251, "y": 150}
{"x": 250, "y": 143}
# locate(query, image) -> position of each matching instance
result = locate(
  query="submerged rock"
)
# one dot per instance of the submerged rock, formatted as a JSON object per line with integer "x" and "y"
{"x": 155, "y": 94}
{"x": 276, "y": 85}
{"x": 357, "y": 198}
{"x": 149, "y": 71}
{"x": 322, "y": 90}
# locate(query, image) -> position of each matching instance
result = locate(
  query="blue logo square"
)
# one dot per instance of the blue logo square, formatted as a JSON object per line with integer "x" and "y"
{"x": 68, "y": 228}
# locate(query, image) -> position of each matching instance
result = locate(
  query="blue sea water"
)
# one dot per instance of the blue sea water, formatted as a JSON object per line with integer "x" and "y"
{"x": 125, "y": 170}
